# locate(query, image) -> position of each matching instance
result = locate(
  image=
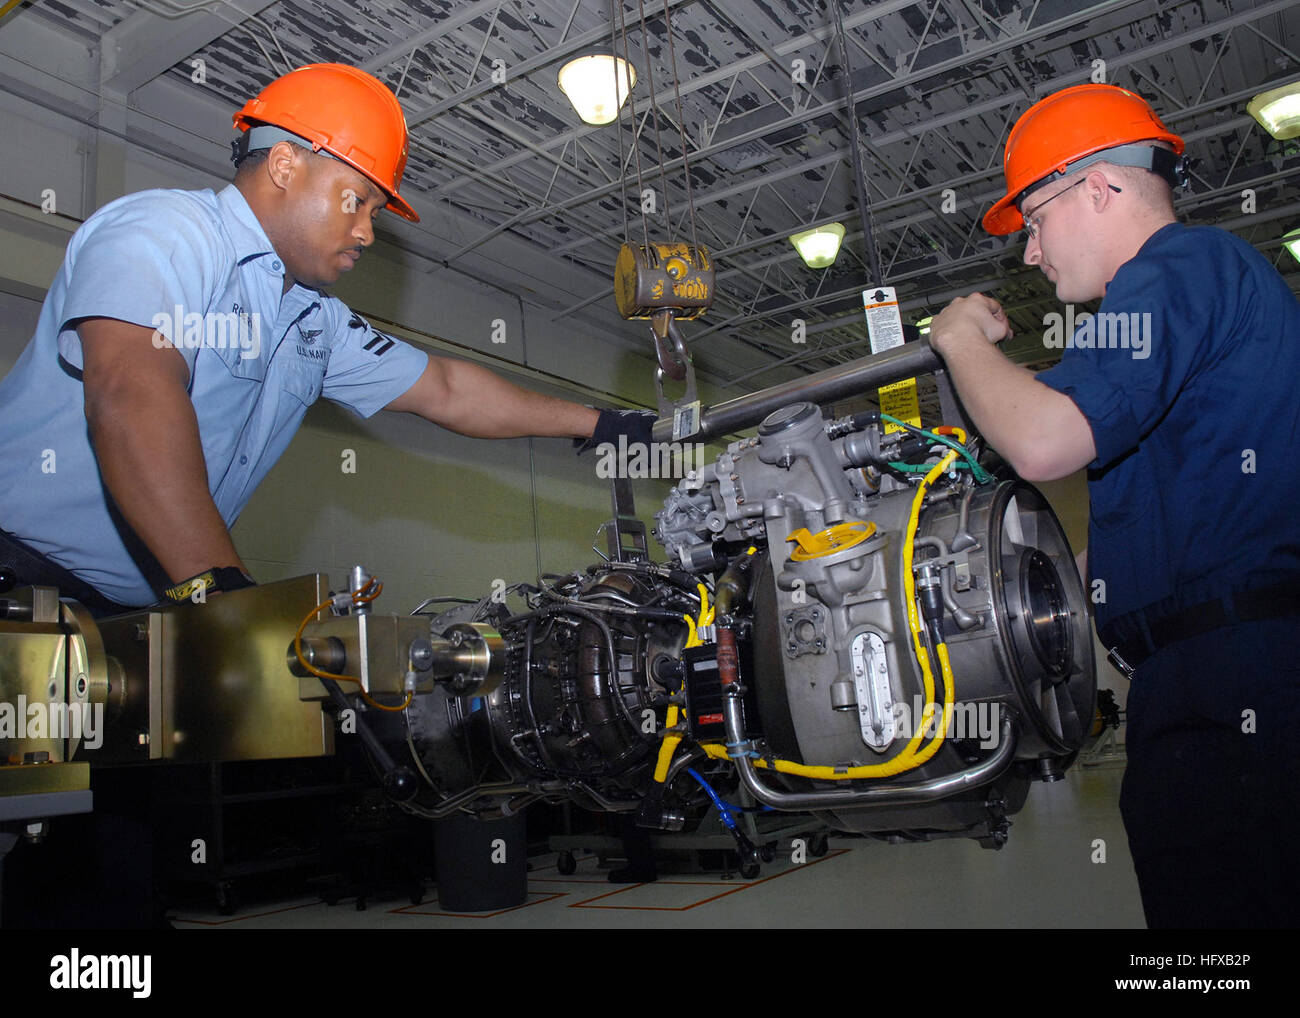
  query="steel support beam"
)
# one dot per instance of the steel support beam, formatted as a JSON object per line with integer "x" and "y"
{"x": 146, "y": 43}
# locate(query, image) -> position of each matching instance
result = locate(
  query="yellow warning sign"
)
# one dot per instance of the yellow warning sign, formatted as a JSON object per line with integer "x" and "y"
{"x": 898, "y": 399}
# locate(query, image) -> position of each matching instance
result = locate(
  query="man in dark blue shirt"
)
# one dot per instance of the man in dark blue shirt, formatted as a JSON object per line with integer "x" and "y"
{"x": 1178, "y": 397}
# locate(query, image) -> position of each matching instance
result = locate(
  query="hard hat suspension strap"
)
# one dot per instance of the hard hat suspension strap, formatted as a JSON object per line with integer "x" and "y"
{"x": 261, "y": 136}
{"x": 1174, "y": 169}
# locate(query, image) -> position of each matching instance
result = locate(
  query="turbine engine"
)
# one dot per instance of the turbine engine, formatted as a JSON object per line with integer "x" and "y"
{"x": 861, "y": 625}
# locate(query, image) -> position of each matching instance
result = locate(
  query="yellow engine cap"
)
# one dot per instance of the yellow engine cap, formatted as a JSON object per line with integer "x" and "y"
{"x": 830, "y": 540}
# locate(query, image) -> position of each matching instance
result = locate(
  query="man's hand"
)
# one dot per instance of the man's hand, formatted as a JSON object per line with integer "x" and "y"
{"x": 636, "y": 425}
{"x": 968, "y": 319}
{"x": 146, "y": 439}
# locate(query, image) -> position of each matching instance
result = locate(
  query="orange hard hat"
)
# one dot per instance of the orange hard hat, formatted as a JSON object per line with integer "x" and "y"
{"x": 344, "y": 111}
{"x": 1057, "y": 133}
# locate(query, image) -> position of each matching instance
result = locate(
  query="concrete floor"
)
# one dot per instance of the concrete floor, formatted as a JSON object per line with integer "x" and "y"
{"x": 1045, "y": 877}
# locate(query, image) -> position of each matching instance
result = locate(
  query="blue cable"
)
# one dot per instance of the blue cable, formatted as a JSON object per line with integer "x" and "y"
{"x": 725, "y": 809}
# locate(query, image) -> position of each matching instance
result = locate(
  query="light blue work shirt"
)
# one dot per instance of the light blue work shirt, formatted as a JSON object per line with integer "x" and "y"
{"x": 197, "y": 268}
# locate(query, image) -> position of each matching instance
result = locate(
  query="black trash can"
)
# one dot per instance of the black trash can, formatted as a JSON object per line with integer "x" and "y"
{"x": 482, "y": 865}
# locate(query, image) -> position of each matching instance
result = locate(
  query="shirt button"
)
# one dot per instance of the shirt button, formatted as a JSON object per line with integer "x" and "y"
{"x": 276, "y": 266}
{"x": 243, "y": 460}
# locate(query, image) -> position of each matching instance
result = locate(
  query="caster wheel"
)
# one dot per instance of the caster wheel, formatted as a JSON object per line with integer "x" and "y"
{"x": 749, "y": 869}
{"x": 767, "y": 852}
{"x": 818, "y": 845}
{"x": 566, "y": 864}
{"x": 361, "y": 904}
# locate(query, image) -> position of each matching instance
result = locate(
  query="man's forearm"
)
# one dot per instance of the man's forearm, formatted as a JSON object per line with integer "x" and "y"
{"x": 997, "y": 394}
{"x": 1039, "y": 431}
{"x": 1036, "y": 429}
{"x": 472, "y": 400}
{"x": 147, "y": 445}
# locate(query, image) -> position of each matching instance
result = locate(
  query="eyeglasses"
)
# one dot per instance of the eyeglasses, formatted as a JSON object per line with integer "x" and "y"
{"x": 1032, "y": 226}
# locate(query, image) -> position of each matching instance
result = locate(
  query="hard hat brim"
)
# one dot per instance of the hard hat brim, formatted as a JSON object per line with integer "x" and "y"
{"x": 398, "y": 204}
{"x": 1004, "y": 217}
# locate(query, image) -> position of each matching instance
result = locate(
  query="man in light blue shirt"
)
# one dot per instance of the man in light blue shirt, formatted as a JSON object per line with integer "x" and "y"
{"x": 185, "y": 336}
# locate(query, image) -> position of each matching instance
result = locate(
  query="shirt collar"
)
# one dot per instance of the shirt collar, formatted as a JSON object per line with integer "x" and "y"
{"x": 250, "y": 239}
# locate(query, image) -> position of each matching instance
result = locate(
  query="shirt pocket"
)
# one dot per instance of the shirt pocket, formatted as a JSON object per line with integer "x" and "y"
{"x": 303, "y": 381}
{"x": 243, "y": 359}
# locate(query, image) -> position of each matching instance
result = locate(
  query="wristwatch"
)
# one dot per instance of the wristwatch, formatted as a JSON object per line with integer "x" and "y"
{"x": 218, "y": 578}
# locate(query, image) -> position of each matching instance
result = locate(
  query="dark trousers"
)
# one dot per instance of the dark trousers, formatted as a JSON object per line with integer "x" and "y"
{"x": 1213, "y": 780}
{"x": 27, "y": 567}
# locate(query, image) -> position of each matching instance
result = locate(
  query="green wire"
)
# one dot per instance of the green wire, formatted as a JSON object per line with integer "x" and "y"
{"x": 981, "y": 475}
{"x": 925, "y": 468}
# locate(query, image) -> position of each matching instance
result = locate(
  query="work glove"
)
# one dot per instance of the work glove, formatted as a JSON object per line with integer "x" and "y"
{"x": 636, "y": 425}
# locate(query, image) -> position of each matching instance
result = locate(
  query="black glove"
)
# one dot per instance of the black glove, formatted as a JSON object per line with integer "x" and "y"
{"x": 635, "y": 424}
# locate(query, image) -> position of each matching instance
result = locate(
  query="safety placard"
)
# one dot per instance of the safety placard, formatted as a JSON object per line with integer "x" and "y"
{"x": 884, "y": 323}
{"x": 885, "y": 330}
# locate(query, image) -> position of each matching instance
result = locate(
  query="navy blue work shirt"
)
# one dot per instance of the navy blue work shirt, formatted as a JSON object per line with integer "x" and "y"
{"x": 1196, "y": 421}
{"x": 198, "y": 269}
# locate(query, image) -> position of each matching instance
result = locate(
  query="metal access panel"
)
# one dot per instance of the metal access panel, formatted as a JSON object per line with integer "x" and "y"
{"x": 208, "y": 682}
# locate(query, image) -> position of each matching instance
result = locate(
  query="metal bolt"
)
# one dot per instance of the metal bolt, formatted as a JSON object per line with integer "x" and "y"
{"x": 421, "y": 654}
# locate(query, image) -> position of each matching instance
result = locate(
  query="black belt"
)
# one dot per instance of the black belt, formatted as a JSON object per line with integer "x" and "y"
{"x": 26, "y": 566}
{"x": 1134, "y": 637}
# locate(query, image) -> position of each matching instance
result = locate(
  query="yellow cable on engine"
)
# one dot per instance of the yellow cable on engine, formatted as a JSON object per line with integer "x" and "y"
{"x": 913, "y": 618}
{"x": 692, "y": 637}
{"x": 667, "y": 748}
{"x": 706, "y": 613}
